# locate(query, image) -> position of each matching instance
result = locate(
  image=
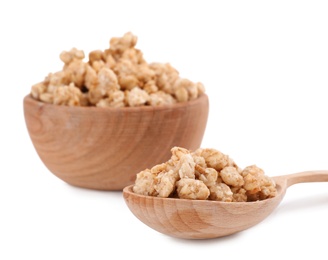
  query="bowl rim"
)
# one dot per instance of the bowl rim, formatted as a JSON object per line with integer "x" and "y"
{"x": 204, "y": 96}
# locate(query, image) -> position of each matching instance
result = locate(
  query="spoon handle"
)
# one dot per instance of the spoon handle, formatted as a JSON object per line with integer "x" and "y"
{"x": 306, "y": 176}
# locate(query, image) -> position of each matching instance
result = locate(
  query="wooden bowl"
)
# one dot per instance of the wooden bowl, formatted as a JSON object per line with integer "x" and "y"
{"x": 104, "y": 148}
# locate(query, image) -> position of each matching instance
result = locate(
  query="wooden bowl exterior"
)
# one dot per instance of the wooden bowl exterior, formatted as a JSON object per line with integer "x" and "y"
{"x": 104, "y": 148}
{"x": 198, "y": 219}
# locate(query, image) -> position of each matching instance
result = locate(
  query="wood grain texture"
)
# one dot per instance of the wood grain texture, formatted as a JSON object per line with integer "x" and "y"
{"x": 199, "y": 219}
{"x": 104, "y": 148}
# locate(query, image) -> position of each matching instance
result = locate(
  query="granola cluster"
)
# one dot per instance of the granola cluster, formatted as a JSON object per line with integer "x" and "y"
{"x": 116, "y": 77}
{"x": 204, "y": 174}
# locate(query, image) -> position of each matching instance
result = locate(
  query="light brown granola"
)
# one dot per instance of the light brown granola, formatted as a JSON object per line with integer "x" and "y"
{"x": 121, "y": 67}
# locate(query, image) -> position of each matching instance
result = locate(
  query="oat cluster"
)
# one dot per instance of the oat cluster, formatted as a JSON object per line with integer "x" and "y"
{"x": 116, "y": 77}
{"x": 204, "y": 174}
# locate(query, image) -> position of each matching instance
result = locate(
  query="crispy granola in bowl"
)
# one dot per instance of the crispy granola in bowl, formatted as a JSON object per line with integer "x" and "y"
{"x": 96, "y": 123}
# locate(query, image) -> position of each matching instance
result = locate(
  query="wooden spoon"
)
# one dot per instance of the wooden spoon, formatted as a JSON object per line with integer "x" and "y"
{"x": 204, "y": 219}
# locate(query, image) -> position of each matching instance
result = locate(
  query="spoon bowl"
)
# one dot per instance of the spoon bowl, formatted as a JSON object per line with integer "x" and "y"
{"x": 205, "y": 219}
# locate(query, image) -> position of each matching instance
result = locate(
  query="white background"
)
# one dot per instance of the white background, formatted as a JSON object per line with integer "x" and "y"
{"x": 265, "y": 68}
